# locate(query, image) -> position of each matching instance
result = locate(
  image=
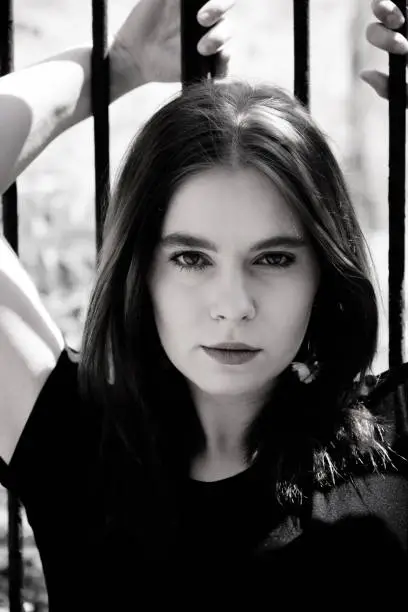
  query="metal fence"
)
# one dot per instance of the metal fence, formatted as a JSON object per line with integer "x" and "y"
{"x": 195, "y": 67}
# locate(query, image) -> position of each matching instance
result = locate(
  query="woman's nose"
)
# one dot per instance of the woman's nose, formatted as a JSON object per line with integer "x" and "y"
{"x": 232, "y": 298}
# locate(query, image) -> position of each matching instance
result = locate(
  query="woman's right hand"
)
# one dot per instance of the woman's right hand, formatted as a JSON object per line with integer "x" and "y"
{"x": 383, "y": 35}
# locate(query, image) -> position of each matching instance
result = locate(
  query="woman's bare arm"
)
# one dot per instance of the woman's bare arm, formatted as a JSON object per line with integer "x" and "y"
{"x": 39, "y": 103}
{"x": 30, "y": 344}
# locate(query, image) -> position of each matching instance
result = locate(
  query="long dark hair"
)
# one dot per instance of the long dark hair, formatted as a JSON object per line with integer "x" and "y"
{"x": 308, "y": 434}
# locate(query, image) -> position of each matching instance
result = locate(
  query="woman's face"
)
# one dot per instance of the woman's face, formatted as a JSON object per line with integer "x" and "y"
{"x": 213, "y": 281}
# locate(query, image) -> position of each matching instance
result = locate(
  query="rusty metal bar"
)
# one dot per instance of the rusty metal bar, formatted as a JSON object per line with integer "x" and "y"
{"x": 194, "y": 66}
{"x": 396, "y": 202}
{"x": 100, "y": 94}
{"x": 301, "y": 50}
{"x": 10, "y": 229}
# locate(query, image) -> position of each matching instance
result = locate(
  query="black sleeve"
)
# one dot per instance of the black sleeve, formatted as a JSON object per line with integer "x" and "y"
{"x": 46, "y": 434}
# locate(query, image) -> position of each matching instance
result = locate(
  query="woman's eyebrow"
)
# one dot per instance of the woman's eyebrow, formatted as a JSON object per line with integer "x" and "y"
{"x": 189, "y": 240}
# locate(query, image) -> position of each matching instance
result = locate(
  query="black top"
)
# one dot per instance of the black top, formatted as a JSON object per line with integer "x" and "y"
{"x": 353, "y": 543}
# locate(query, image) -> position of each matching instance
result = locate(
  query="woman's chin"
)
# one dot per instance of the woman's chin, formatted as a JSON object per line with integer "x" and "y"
{"x": 226, "y": 386}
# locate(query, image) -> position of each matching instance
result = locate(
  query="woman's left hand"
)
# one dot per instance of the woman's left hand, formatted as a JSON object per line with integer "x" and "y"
{"x": 383, "y": 35}
{"x": 147, "y": 46}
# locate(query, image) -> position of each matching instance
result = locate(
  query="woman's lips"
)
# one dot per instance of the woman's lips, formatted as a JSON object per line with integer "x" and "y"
{"x": 230, "y": 357}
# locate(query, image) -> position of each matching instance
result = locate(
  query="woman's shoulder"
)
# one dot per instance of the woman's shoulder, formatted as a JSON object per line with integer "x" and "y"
{"x": 66, "y": 367}
{"x": 60, "y": 401}
{"x": 61, "y": 387}
{"x": 59, "y": 428}
{"x": 368, "y": 508}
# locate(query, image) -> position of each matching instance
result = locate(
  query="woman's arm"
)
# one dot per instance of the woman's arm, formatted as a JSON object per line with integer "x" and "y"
{"x": 382, "y": 35}
{"x": 40, "y": 102}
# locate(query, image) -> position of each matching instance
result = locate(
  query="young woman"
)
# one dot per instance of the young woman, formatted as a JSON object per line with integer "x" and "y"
{"x": 219, "y": 416}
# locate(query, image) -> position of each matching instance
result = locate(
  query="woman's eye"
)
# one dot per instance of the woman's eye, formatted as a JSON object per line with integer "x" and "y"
{"x": 190, "y": 259}
{"x": 279, "y": 260}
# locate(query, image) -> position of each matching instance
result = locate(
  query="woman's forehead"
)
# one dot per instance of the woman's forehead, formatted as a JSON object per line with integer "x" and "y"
{"x": 221, "y": 201}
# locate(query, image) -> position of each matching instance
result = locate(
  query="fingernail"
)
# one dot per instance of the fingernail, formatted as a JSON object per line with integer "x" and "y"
{"x": 204, "y": 18}
{"x": 401, "y": 44}
{"x": 202, "y": 47}
{"x": 395, "y": 20}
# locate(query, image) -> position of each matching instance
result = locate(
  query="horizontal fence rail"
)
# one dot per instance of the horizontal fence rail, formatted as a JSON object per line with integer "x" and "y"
{"x": 193, "y": 68}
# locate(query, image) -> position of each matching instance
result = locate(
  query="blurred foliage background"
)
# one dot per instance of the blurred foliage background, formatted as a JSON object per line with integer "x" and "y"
{"x": 56, "y": 205}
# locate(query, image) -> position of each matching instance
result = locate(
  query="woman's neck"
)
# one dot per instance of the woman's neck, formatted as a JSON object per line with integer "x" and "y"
{"x": 225, "y": 420}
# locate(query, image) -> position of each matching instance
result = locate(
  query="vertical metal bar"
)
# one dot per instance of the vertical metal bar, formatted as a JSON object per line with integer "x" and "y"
{"x": 10, "y": 229}
{"x": 194, "y": 66}
{"x": 100, "y": 92}
{"x": 15, "y": 545}
{"x": 9, "y": 198}
{"x": 396, "y": 201}
{"x": 301, "y": 50}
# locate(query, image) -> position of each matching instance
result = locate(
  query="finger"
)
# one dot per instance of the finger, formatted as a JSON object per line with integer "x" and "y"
{"x": 215, "y": 38}
{"x": 213, "y": 11}
{"x": 379, "y": 82}
{"x": 393, "y": 42}
{"x": 388, "y": 13}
